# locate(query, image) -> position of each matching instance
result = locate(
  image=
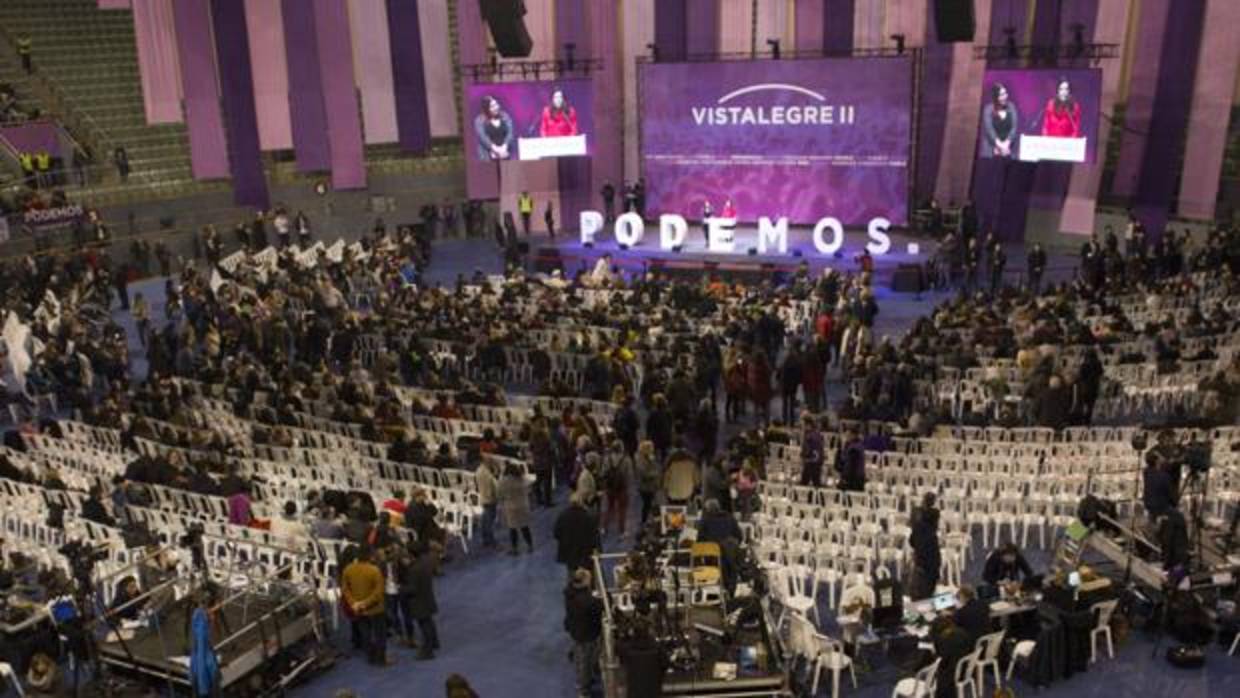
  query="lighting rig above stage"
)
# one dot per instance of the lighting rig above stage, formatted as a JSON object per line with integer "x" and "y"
{"x": 566, "y": 66}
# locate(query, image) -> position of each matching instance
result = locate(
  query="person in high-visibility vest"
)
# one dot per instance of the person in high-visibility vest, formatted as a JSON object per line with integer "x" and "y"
{"x": 525, "y": 206}
{"x": 23, "y": 52}
{"x": 43, "y": 167}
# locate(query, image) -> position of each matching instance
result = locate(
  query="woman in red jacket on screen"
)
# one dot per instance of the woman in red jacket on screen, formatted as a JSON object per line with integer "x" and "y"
{"x": 1062, "y": 116}
{"x": 558, "y": 118}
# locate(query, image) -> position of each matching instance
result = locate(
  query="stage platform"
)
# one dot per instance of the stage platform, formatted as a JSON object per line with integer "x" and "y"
{"x": 694, "y": 258}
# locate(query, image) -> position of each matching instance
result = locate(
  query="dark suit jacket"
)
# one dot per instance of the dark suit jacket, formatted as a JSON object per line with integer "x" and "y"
{"x": 576, "y": 535}
{"x": 418, "y": 580}
{"x": 974, "y": 618}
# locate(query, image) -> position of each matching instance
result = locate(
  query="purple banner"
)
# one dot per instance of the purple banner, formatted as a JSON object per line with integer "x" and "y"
{"x": 409, "y": 76}
{"x": 1059, "y": 104}
{"x": 802, "y": 139}
{"x": 208, "y": 147}
{"x": 305, "y": 87}
{"x": 524, "y": 111}
{"x": 33, "y": 136}
{"x": 232, "y": 43}
{"x": 344, "y": 122}
{"x": 52, "y": 217}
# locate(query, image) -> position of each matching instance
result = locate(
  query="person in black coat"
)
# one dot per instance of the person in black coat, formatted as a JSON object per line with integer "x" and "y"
{"x": 93, "y": 509}
{"x": 576, "y": 535}
{"x": 1006, "y": 564}
{"x": 850, "y": 464}
{"x": 973, "y": 614}
{"x": 951, "y": 644}
{"x": 1089, "y": 383}
{"x": 417, "y": 596}
{"x": 924, "y": 540}
{"x": 644, "y": 664}
{"x": 1158, "y": 493}
{"x": 583, "y": 620}
{"x": 1036, "y": 262}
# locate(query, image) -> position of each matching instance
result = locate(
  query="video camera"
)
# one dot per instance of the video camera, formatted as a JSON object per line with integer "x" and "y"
{"x": 82, "y": 559}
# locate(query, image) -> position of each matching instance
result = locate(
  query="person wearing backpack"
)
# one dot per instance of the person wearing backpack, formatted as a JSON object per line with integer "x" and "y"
{"x": 617, "y": 474}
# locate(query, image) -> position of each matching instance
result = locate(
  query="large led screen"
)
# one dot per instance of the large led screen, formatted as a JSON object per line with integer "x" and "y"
{"x": 801, "y": 139}
{"x": 1040, "y": 115}
{"x": 529, "y": 120}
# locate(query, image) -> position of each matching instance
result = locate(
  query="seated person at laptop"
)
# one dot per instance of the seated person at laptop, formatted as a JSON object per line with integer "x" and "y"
{"x": 951, "y": 643}
{"x": 973, "y": 614}
{"x": 1005, "y": 566}
{"x": 127, "y": 591}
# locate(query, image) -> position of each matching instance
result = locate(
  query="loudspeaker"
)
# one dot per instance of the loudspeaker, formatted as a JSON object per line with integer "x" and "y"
{"x": 908, "y": 279}
{"x": 507, "y": 23}
{"x": 954, "y": 20}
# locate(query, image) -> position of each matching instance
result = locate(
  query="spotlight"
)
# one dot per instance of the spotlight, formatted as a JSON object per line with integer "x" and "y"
{"x": 752, "y": 252}
{"x": 624, "y": 247}
{"x": 677, "y": 248}
{"x": 1010, "y": 41}
{"x": 899, "y": 39}
{"x": 588, "y": 245}
{"x": 796, "y": 253}
{"x": 774, "y": 44}
{"x": 654, "y": 52}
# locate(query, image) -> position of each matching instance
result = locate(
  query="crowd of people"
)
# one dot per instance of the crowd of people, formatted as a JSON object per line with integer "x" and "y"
{"x": 354, "y": 328}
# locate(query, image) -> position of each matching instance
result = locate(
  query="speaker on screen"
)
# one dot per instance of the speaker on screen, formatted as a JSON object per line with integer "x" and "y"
{"x": 954, "y": 20}
{"x": 506, "y": 18}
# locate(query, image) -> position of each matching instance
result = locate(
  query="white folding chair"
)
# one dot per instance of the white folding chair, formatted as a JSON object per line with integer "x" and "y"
{"x": 1103, "y": 627}
{"x": 966, "y": 675}
{"x": 1022, "y": 651}
{"x": 920, "y": 686}
{"x": 990, "y": 645}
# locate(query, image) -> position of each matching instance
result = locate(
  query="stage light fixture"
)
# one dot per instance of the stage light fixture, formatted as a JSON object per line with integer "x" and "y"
{"x": 796, "y": 253}
{"x": 899, "y": 39}
{"x": 1078, "y": 40}
{"x": 624, "y": 247}
{"x": 494, "y": 60}
{"x": 1010, "y": 41}
{"x": 752, "y": 252}
{"x": 588, "y": 245}
{"x": 654, "y": 52}
{"x": 677, "y": 248}
{"x": 774, "y": 44}
{"x": 525, "y": 71}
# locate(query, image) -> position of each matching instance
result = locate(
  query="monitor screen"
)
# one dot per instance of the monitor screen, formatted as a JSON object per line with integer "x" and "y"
{"x": 1040, "y": 115}
{"x": 944, "y": 601}
{"x": 529, "y": 120}
{"x": 800, "y": 139}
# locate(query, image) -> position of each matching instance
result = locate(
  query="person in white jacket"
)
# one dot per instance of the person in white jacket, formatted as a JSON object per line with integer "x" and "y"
{"x": 486, "y": 482}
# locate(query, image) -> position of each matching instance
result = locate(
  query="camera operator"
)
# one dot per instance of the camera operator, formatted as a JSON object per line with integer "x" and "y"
{"x": 126, "y": 592}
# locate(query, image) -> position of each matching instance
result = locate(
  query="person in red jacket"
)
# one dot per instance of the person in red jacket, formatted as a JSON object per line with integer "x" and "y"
{"x": 1062, "y": 116}
{"x": 558, "y": 118}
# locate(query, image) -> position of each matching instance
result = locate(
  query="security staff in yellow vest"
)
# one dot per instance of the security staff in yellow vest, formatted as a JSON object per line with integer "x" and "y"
{"x": 23, "y": 51}
{"x": 43, "y": 167}
{"x": 525, "y": 206}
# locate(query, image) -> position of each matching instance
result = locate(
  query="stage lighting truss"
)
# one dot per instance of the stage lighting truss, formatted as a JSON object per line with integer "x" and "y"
{"x": 1050, "y": 56}
{"x": 498, "y": 71}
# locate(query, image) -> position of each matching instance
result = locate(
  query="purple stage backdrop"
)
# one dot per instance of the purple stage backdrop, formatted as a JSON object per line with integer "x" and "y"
{"x": 800, "y": 138}
{"x": 1030, "y": 93}
{"x": 523, "y": 103}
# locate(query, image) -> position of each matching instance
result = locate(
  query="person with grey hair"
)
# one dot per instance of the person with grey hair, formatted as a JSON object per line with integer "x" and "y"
{"x": 587, "y": 484}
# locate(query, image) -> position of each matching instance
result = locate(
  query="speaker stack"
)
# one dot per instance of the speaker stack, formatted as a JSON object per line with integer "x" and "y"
{"x": 954, "y": 20}
{"x": 506, "y": 19}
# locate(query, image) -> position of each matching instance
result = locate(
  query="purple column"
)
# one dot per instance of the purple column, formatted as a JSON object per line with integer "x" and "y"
{"x": 1211, "y": 112}
{"x": 208, "y": 148}
{"x": 1050, "y": 184}
{"x": 408, "y": 76}
{"x": 1181, "y": 44}
{"x": 571, "y": 25}
{"x": 1142, "y": 83}
{"x": 237, "y": 89}
{"x": 1001, "y": 187}
{"x": 344, "y": 119}
{"x": 702, "y": 27}
{"x": 305, "y": 87}
{"x": 837, "y": 26}
{"x": 481, "y": 180}
{"x": 670, "y": 29}
{"x": 936, "y": 79}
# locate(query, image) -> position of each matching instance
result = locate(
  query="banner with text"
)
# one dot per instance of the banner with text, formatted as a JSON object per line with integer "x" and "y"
{"x": 795, "y": 138}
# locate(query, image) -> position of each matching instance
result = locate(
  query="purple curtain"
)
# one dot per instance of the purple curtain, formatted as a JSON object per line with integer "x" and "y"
{"x": 154, "y": 28}
{"x": 701, "y": 27}
{"x": 936, "y": 80}
{"x": 305, "y": 86}
{"x": 208, "y": 147}
{"x": 267, "y": 63}
{"x": 114, "y": 4}
{"x": 671, "y": 29}
{"x": 409, "y": 76}
{"x": 481, "y": 179}
{"x": 1181, "y": 43}
{"x": 232, "y": 44}
{"x": 344, "y": 121}
{"x": 375, "y": 85}
{"x": 837, "y": 27}
{"x": 1142, "y": 84}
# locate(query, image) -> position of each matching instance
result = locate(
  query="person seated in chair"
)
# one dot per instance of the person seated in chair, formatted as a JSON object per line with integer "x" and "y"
{"x": 1005, "y": 566}
{"x": 951, "y": 644}
{"x": 972, "y": 614}
{"x": 126, "y": 592}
